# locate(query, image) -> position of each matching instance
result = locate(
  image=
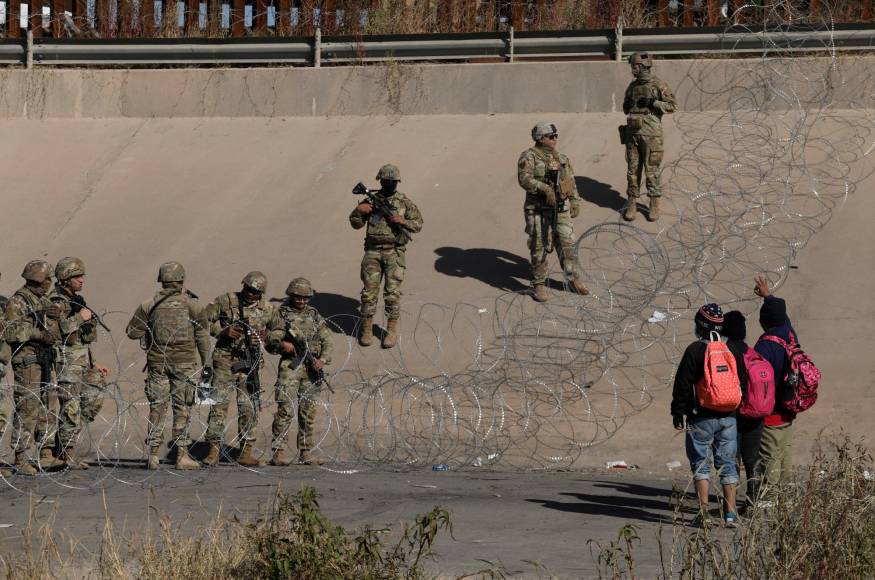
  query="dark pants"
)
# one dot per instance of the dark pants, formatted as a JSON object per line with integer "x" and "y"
{"x": 750, "y": 434}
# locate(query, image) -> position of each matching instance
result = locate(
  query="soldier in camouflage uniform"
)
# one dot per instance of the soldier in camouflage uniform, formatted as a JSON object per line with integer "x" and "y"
{"x": 5, "y": 359}
{"x": 173, "y": 330}
{"x": 302, "y": 339}
{"x": 647, "y": 99}
{"x": 386, "y": 241}
{"x": 548, "y": 178}
{"x": 239, "y": 321}
{"x": 79, "y": 377}
{"x": 32, "y": 332}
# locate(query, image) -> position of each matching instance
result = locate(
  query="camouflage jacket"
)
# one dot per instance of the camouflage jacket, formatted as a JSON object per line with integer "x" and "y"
{"x": 25, "y": 322}
{"x": 307, "y": 327}
{"x": 380, "y": 232}
{"x": 75, "y": 334}
{"x": 225, "y": 311}
{"x": 532, "y": 168}
{"x": 645, "y": 102}
{"x": 172, "y": 328}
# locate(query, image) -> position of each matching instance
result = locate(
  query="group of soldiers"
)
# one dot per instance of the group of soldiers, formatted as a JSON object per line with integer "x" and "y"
{"x": 49, "y": 330}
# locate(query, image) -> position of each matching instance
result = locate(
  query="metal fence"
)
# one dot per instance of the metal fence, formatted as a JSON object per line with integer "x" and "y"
{"x": 510, "y": 47}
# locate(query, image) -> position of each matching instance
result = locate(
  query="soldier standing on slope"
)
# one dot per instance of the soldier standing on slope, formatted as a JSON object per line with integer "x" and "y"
{"x": 551, "y": 203}
{"x": 647, "y": 99}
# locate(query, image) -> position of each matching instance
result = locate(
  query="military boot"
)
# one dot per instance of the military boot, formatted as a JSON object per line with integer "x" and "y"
{"x": 279, "y": 458}
{"x": 366, "y": 333}
{"x": 307, "y": 458}
{"x": 390, "y": 339}
{"x": 22, "y": 464}
{"x": 212, "y": 457}
{"x": 184, "y": 460}
{"x": 653, "y": 211}
{"x": 152, "y": 462}
{"x": 246, "y": 458}
{"x": 71, "y": 461}
{"x": 47, "y": 459}
{"x": 539, "y": 293}
{"x": 578, "y": 287}
{"x": 631, "y": 209}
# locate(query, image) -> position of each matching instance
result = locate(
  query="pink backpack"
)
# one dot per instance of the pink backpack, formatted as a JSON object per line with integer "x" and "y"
{"x": 719, "y": 389}
{"x": 802, "y": 375}
{"x": 760, "y": 399}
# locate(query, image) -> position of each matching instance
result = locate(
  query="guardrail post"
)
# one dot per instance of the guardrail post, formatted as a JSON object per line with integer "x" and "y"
{"x": 317, "y": 48}
{"x": 28, "y": 49}
{"x": 618, "y": 39}
{"x": 510, "y": 44}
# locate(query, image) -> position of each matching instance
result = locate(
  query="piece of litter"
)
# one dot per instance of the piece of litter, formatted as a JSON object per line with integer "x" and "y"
{"x": 657, "y": 316}
{"x": 673, "y": 465}
{"x": 482, "y": 310}
{"x": 496, "y": 494}
{"x": 866, "y": 475}
{"x": 6, "y": 525}
{"x": 617, "y": 464}
{"x": 423, "y": 485}
{"x": 440, "y": 467}
{"x": 492, "y": 456}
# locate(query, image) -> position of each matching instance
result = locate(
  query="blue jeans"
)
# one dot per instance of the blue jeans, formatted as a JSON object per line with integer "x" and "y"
{"x": 713, "y": 436}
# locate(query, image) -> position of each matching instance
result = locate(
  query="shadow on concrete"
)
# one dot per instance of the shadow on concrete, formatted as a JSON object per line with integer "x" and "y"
{"x": 497, "y": 268}
{"x": 600, "y": 194}
{"x": 623, "y": 507}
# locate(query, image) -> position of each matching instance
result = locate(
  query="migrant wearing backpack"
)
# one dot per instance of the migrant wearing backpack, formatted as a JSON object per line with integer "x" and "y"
{"x": 728, "y": 400}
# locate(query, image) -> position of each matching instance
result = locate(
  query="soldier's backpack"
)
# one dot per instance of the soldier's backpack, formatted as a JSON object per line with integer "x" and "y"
{"x": 802, "y": 375}
{"x": 170, "y": 323}
{"x": 719, "y": 389}
{"x": 759, "y": 401}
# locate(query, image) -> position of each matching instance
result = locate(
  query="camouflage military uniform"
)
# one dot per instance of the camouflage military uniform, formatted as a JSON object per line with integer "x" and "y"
{"x": 532, "y": 168}
{"x": 175, "y": 332}
{"x": 74, "y": 369}
{"x": 385, "y": 248}
{"x": 227, "y": 382}
{"x": 296, "y": 381}
{"x": 5, "y": 359}
{"x": 31, "y": 334}
{"x": 647, "y": 99}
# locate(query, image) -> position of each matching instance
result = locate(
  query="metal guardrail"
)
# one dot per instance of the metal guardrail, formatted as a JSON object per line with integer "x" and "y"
{"x": 318, "y": 50}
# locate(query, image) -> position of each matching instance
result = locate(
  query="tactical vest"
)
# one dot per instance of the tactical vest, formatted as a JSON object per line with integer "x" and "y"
{"x": 170, "y": 322}
{"x": 381, "y": 232}
{"x": 648, "y": 90}
{"x": 304, "y": 326}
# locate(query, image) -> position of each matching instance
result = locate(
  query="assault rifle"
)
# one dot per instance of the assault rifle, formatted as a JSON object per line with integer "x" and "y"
{"x": 250, "y": 363}
{"x": 303, "y": 355}
{"x": 381, "y": 206}
{"x": 45, "y": 353}
{"x": 552, "y": 213}
{"x": 77, "y": 303}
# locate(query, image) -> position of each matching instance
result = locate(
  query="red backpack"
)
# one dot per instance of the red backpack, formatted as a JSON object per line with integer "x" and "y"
{"x": 760, "y": 399}
{"x": 802, "y": 375}
{"x": 719, "y": 389}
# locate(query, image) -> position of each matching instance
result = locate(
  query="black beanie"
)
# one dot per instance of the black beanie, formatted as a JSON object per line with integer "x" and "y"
{"x": 773, "y": 312}
{"x": 734, "y": 327}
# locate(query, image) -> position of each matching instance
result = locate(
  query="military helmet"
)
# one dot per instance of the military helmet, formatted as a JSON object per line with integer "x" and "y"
{"x": 390, "y": 172}
{"x": 543, "y": 129}
{"x": 641, "y": 58}
{"x": 300, "y": 287}
{"x": 171, "y": 272}
{"x": 255, "y": 280}
{"x": 69, "y": 268}
{"x": 37, "y": 271}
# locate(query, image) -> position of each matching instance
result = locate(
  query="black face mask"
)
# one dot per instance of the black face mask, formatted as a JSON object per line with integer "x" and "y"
{"x": 388, "y": 187}
{"x": 642, "y": 75}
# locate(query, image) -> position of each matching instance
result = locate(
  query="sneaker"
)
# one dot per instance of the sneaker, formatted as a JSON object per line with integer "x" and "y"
{"x": 702, "y": 520}
{"x": 731, "y": 520}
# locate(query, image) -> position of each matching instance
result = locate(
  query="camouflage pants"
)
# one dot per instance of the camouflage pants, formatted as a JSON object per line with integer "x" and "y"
{"x": 225, "y": 385}
{"x": 294, "y": 388}
{"x": 643, "y": 155}
{"x": 540, "y": 232}
{"x": 34, "y": 420}
{"x": 388, "y": 264}
{"x": 174, "y": 385}
{"x": 81, "y": 397}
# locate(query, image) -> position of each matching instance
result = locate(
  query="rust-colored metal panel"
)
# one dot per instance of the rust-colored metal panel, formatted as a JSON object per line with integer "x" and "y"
{"x": 238, "y": 15}
{"x": 58, "y": 7}
{"x": 35, "y": 17}
{"x": 329, "y": 16}
{"x": 713, "y": 12}
{"x": 687, "y": 12}
{"x": 259, "y": 17}
{"x": 305, "y": 18}
{"x": 192, "y": 17}
{"x": 662, "y": 13}
{"x": 866, "y": 13}
{"x": 284, "y": 18}
{"x": 147, "y": 17}
{"x": 13, "y": 15}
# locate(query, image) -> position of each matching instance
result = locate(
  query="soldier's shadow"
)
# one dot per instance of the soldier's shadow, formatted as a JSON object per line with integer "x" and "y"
{"x": 497, "y": 268}
{"x": 598, "y": 193}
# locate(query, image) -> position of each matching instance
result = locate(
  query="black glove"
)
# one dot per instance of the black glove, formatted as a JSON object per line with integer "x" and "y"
{"x": 207, "y": 375}
{"x": 678, "y": 421}
{"x": 53, "y": 311}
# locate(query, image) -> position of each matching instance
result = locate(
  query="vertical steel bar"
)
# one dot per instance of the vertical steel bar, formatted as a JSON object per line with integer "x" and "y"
{"x": 35, "y": 17}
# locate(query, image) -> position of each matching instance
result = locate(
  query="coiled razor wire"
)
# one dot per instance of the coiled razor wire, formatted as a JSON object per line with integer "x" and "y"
{"x": 542, "y": 383}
